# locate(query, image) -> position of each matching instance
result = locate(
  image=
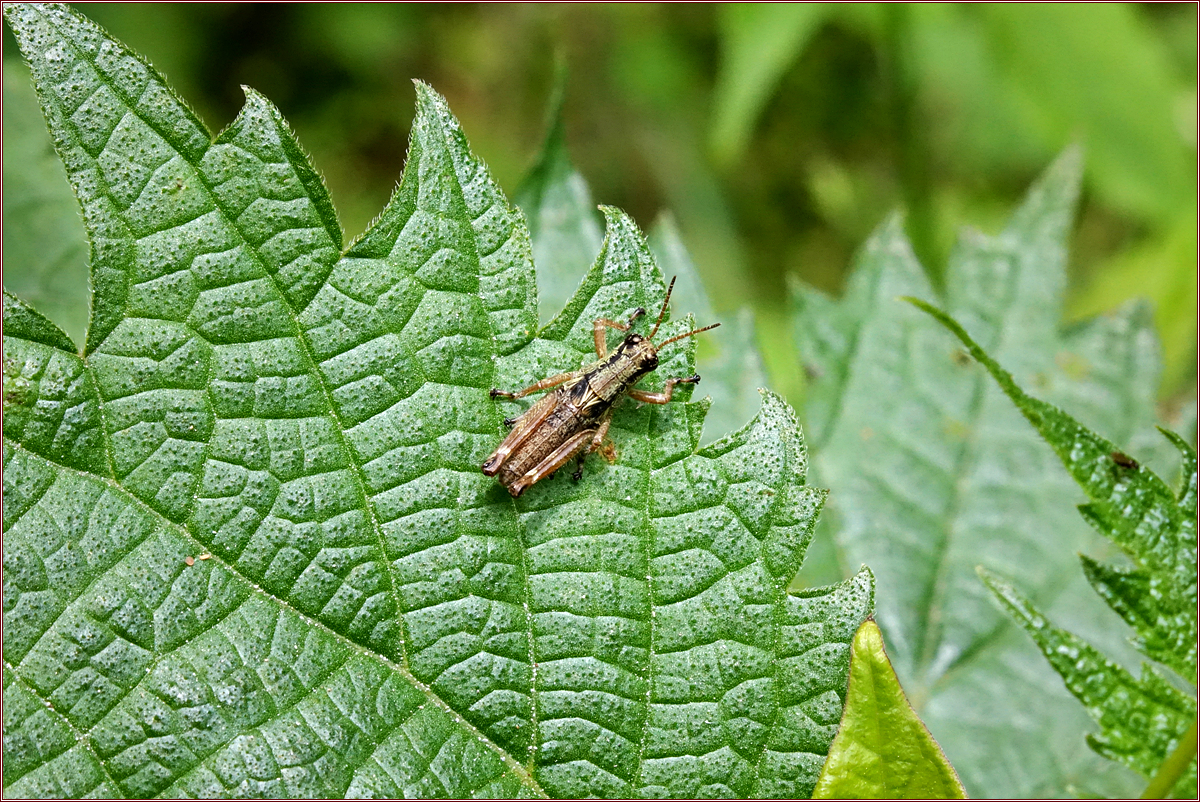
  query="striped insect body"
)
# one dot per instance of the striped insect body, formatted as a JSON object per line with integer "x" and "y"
{"x": 573, "y": 420}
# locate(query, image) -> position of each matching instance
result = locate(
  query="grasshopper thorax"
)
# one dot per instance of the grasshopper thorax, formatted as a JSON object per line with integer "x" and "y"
{"x": 640, "y": 351}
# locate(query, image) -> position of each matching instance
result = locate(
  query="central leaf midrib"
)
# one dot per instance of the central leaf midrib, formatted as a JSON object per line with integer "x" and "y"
{"x": 585, "y": 358}
{"x": 526, "y": 589}
{"x": 778, "y": 605}
{"x": 652, "y": 620}
{"x": 496, "y": 418}
{"x": 967, "y": 456}
{"x": 101, "y": 414}
{"x": 314, "y": 623}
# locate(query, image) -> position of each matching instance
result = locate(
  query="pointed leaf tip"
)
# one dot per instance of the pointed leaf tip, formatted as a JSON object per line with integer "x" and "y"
{"x": 882, "y": 749}
{"x": 22, "y": 320}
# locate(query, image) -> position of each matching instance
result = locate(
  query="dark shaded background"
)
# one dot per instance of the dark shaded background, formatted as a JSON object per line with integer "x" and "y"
{"x": 778, "y": 135}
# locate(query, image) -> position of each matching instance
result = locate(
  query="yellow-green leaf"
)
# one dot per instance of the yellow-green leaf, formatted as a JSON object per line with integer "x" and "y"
{"x": 882, "y": 750}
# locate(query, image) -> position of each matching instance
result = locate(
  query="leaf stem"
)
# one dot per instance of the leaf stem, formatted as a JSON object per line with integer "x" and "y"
{"x": 1173, "y": 767}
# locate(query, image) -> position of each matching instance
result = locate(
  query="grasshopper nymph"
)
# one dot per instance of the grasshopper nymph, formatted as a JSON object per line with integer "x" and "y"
{"x": 574, "y": 419}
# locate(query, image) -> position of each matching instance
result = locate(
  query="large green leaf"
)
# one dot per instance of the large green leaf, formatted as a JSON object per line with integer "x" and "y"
{"x": 248, "y": 548}
{"x": 935, "y": 472}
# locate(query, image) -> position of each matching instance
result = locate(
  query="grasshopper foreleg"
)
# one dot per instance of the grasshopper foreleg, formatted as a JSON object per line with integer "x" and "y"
{"x": 598, "y": 327}
{"x": 665, "y": 395}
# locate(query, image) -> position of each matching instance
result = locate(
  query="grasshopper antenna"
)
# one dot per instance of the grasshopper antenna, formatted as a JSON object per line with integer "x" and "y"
{"x": 689, "y": 334}
{"x": 663, "y": 311}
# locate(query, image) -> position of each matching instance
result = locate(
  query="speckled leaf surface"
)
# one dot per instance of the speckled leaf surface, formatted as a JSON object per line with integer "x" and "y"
{"x": 934, "y": 472}
{"x": 248, "y": 548}
{"x": 1142, "y": 719}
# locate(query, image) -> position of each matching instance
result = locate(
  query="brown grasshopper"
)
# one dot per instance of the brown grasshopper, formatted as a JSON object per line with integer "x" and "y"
{"x": 576, "y": 416}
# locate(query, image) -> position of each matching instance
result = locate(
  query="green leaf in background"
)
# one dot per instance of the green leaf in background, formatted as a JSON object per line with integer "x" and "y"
{"x": 47, "y": 263}
{"x": 882, "y": 750}
{"x": 934, "y": 472}
{"x": 557, "y": 202}
{"x": 248, "y": 547}
{"x": 1142, "y": 721}
{"x": 1013, "y": 85}
{"x": 563, "y": 223}
{"x": 759, "y": 41}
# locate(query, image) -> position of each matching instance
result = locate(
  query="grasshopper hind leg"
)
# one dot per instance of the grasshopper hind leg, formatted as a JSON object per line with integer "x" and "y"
{"x": 552, "y": 462}
{"x": 597, "y": 444}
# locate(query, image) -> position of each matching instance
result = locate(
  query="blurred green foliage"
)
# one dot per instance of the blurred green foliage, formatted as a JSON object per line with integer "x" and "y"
{"x": 779, "y": 136}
